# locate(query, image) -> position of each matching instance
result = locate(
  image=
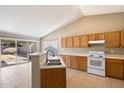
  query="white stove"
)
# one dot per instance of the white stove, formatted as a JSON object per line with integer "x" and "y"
{"x": 96, "y": 62}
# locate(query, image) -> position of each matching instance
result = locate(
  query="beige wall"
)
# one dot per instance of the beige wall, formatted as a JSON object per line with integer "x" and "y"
{"x": 89, "y": 25}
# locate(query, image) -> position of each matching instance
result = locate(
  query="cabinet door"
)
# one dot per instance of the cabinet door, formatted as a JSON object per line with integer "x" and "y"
{"x": 122, "y": 38}
{"x": 74, "y": 62}
{"x": 92, "y": 37}
{"x": 76, "y": 41}
{"x": 114, "y": 68}
{"x": 112, "y": 39}
{"x": 67, "y": 60}
{"x": 82, "y": 63}
{"x": 63, "y": 58}
{"x": 69, "y": 42}
{"x": 53, "y": 78}
{"x": 100, "y": 36}
{"x": 63, "y": 42}
{"x": 84, "y": 41}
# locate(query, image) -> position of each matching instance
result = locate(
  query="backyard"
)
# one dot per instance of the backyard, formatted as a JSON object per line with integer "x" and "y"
{"x": 12, "y": 54}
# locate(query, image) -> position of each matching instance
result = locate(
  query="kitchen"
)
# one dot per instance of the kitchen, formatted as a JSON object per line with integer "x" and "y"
{"x": 89, "y": 48}
{"x": 77, "y": 46}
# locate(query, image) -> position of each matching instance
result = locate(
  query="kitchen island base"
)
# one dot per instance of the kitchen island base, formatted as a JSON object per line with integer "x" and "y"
{"x": 53, "y": 78}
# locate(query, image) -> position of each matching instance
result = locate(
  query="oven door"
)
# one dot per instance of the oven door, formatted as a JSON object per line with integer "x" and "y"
{"x": 96, "y": 63}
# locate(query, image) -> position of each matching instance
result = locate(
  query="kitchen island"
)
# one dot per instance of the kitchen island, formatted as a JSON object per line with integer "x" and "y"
{"x": 47, "y": 76}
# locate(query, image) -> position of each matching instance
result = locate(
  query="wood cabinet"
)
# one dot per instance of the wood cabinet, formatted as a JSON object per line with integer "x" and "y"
{"x": 63, "y": 57}
{"x": 115, "y": 68}
{"x": 122, "y": 38}
{"x": 112, "y": 39}
{"x": 67, "y": 60}
{"x": 92, "y": 37}
{"x": 82, "y": 63}
{"x": 63, "y": 42}
{"x": 74, "y": 62}
{"x": 76, "y": 41}
{"x": 69, "y": 42}
{"x": 98, "y": 36}
{"x": 84, "y": 41}
{"x": 53, "y": 78}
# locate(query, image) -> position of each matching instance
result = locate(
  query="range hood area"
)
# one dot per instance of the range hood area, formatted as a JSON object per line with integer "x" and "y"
{"x": 96, "y": 42}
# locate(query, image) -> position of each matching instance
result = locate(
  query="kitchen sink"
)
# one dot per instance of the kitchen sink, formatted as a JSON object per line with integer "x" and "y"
{"x": 54, "y": 62}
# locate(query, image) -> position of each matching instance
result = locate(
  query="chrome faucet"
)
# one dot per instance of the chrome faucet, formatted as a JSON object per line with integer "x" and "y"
{"x": 47, "y": 55}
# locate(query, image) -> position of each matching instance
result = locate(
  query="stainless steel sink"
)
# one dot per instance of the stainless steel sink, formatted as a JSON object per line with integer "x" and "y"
{"x": 51, "y": 64}
{"x": 54, "y": 62}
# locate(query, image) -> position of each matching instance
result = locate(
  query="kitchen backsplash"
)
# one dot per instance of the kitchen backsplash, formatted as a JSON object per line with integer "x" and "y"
{"x": 115, "y": 51}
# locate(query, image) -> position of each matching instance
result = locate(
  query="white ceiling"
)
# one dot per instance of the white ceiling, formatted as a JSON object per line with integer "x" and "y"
{"x": 101, "y": 9}
{"x": 38, "y": 21}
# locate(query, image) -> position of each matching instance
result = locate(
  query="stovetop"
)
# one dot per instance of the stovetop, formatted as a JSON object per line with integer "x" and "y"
{"x": 96, "y": 54}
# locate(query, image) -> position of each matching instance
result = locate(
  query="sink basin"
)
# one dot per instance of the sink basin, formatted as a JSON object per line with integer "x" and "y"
{"x": 54, "y": 62}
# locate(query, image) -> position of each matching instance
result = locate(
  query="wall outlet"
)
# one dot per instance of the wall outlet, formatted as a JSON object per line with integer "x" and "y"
{"x": 112, "y": 51}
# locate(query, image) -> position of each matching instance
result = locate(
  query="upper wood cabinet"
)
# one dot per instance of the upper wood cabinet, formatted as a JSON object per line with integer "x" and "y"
{"x": 99, "y": 36}
{"x": 115, "y": 68}
{"x": 92, "y": 37}
{"x": 76, "y": 41}
{"x": 82, "y": 63}
{"x": 69, "y": 42}
{"x": 84, "y": 41}
{"x": 74, "y": 62}
{"x": 63, "y": 42}
{"x": 122, "y": 38}
{"x": 112, "y": 39}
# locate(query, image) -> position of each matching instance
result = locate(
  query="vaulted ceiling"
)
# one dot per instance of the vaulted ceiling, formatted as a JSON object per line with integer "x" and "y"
{"x": 40, "y": 20}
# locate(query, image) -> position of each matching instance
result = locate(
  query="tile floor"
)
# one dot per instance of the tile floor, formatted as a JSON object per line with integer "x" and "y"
{"x": 19, "y": 76}
{"x": 79, "y": 79}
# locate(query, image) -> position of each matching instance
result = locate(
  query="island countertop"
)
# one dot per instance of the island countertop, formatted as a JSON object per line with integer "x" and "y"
{"x": 45, "y": 66}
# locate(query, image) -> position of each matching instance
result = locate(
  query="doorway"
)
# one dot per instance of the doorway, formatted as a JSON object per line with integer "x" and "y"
{"x": 14, "y": 51}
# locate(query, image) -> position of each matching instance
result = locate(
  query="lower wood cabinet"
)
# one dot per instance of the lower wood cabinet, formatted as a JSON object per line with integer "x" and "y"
{"x": 53, "y": 78}
{"x": 115, "y": 68}
{"x": 67, "y": 60}
{"x": 122, "y": 39}
{"x": 74, "y": 62}
{"x": 82, "y": 63}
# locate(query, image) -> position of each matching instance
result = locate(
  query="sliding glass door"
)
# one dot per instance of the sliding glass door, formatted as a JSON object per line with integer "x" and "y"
{"x": 15, "y": 51}
{"x": 22, "y": 51}
{"x": 32, "y": 47}
{"x": 8, "y": 52}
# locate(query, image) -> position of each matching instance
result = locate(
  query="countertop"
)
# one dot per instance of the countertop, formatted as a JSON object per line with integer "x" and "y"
{"x": 113, "y": 56}
{"x": 121, "y": 57}
{"x": 37, "y": 53}
{"x": 44, "y": 66}
{"x": 74, "y": 54}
